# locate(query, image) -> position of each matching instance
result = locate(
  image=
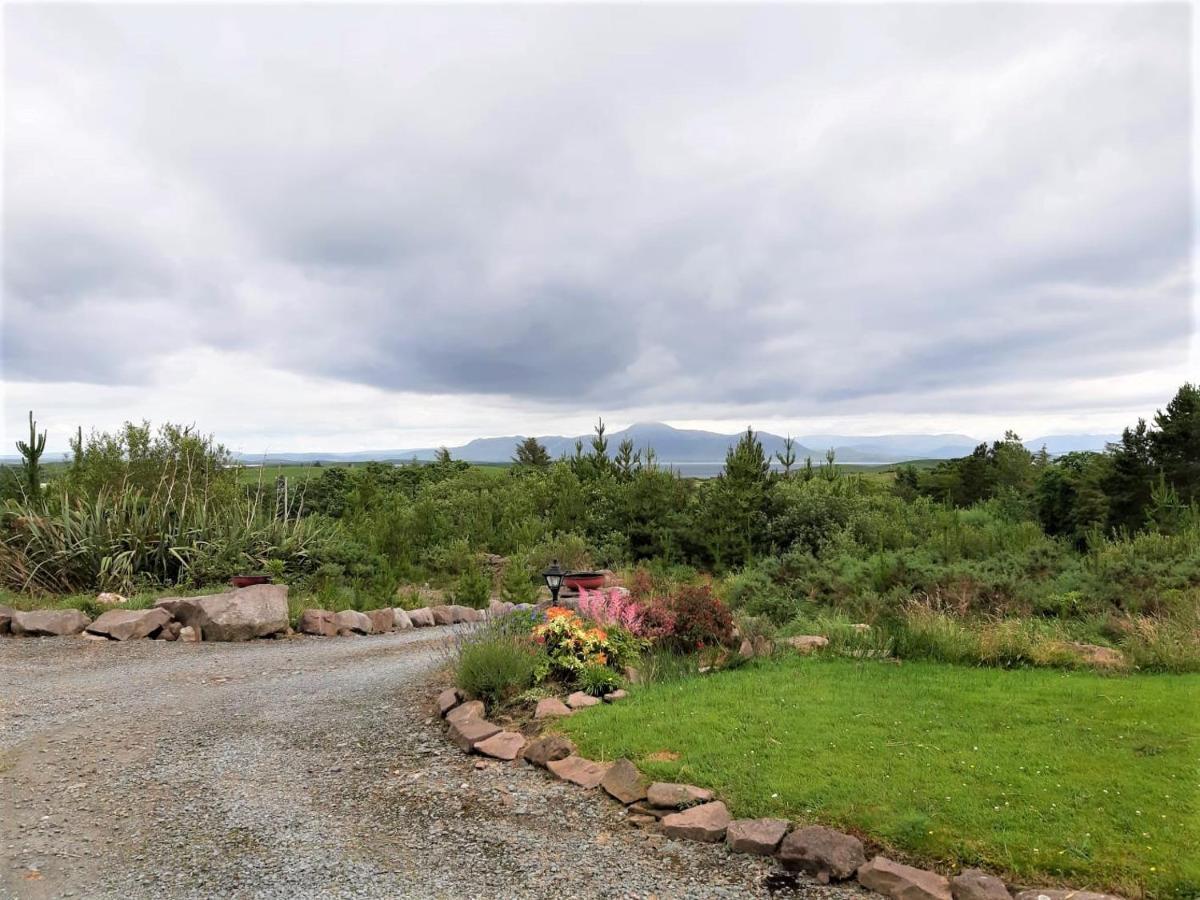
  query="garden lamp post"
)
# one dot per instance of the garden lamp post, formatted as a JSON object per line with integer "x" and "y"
{"x": 554, "y": 579}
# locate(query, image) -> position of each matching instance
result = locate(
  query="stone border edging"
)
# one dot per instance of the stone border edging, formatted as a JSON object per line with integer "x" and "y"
{"x": 687, "y": 812}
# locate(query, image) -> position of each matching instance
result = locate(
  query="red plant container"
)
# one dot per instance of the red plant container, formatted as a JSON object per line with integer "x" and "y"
{"x": 241, "y": 581}
{"x": 589, "y": 581}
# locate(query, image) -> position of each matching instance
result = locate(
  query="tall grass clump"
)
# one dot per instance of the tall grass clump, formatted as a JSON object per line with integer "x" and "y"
{"x": 497, "y": 666}
{"x": 117, "y": 538}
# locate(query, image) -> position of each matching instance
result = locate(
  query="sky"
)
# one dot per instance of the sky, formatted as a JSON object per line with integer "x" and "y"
{"x": 308, "y": 227}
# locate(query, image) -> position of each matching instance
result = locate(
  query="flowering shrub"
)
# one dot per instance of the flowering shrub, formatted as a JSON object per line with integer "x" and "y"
{"x": 617, "y": 607}
{"x": 569, "y": 642}
{"x": 701, "y": 619}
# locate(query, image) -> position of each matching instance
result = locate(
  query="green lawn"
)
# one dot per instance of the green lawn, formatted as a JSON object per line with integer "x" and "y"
{"x": 1036, "y": 774}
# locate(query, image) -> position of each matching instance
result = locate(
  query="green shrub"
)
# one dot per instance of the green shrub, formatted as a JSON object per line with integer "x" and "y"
{"x": 497, "y": 667}
{"x": 597, "y": 680}
{"x": 473, "y": 589}
{"x": 518, "y": 584}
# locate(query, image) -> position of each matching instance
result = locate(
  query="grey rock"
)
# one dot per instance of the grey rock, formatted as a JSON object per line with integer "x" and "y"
{"x": 129, "y": 624}
{"x": 901, "y": 882}
{"x": 400, "y": 619}
{"x": 48, "y": 622}
{"x": 822, "y": 852}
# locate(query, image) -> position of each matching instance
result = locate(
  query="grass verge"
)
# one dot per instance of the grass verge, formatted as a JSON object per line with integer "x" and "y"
{"x": 1041, "y": 775}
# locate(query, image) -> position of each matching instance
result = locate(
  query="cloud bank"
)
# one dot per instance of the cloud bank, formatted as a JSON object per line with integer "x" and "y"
{"x": 396, "y": 224}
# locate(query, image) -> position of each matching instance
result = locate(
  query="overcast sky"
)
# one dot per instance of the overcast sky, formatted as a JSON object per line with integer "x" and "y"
{"x": 333, "y": 228}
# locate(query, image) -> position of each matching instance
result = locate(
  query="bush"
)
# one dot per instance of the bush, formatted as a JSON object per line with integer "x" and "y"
{"x": 598, "y": 680}
{"x": 497, "y": 667}
{"x": 701, "y": 619}
{"x": 474, "y": 588}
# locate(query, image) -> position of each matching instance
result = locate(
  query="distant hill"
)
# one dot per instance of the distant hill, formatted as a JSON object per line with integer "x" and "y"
{"x": 679, "y": 445}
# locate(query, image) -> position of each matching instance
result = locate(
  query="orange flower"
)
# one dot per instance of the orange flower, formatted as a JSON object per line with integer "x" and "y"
{"x": 601, "y": 659}
{"x": 558, "y": 612}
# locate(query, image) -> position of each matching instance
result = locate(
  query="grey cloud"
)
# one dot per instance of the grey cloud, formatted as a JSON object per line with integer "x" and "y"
{"x": 712, "y": 207}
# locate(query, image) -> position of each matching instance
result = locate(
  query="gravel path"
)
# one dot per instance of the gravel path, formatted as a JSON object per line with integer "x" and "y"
{"x": 299, "y": 768}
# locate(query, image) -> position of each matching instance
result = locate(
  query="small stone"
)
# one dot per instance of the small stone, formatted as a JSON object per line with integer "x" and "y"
{"x": 616, "y": 696}
{"x": 901, "y": 882}
{"x": 760, "y": 837}
{"x": 822, "y": 852}
{"x": 975, "y": 884}
{"x": 353, "y": 621}
{"x": 675, "y": 796}
{"x": 706, "y": 823}
{"x": 578, "y": 770}
{"x": 641, "y": 820}
{"x": 189, "y": 634}
{"x": 580, "y": 700}
{"x": 807, "y": 643}
{"x": 624, "y": 782}
{"x": 546, "y": 749}
{"x": 644, "y": 809}
{"x": 382, "y": 620}
{"x": 107, "y": 598}
{"x": 422, "y": 617}
{"x": 551, "y": 706}
{"x": 1059, "y": 894}
{"x": 470, "y": 732}
{"x": 472, "y": 709}
{"x": 319, "y": 622}
{"x": 448, "y": 699}
{"x": 504, "y": 745}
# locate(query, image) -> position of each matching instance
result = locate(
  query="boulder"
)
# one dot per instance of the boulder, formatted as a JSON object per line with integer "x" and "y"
{"x": 421, "y": 618}
{"x": 578, "y": 770}
{"x": 473, "y": 709}
{"x": 616, "y": 696}
{"x": 624, "y": 782}
{"x": 706, "y": 822}
{"x": 129, "y": 624}
{"x": 443, "y": 615}
{"x": 400, "y": 619}
{"x": 580, "y": 700}
{"x": 6, "y": 614}
{"x": 382, "y": 620}
{"x": 760, "y": 837}
{"x": 169, "y": 632}
{"x": 317, "y": 621}
{"x": 48, "y": 622}
{"x": 1060, "y": 894}
{"x": 348, "y": 620}
{"x": 807, "y": 643}
{"x": 469, "y": 732}
{"x": 108, "y": 598}
{"x": 468, "y": 614}
{"x": 676, "y": 796}
{"x": 822, "y": 852}
{"x": 549, "y": 707}
{"x": 505, "y": 745}
{"x": 975, "y": 884}
{"x": 746, "y": 649}
{"x": 188, "y": 633}
{"x": 498, "y": 608}
{"x": 260, "y": 610}
{"x": 547, "y": 749}
{"x": 448, "y": 699}
{"x": 901, "y": 882}
{"x": 763, "y": 646}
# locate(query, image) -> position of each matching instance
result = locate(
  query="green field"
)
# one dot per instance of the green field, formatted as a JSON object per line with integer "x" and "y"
{"x": 301, "y": 472}
{"x": 1040, "y": 775}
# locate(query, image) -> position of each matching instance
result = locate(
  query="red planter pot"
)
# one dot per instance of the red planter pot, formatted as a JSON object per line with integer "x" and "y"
{"x": 590, "y": 581}
{"x": 241, "y": 581}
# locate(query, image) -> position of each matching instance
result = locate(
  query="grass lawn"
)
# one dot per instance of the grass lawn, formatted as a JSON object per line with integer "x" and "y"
{"x": 1041, "y": 775}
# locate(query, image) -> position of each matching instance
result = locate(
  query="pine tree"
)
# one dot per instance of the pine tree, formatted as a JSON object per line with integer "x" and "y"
{"x": 531, "y": 453}
{"x": 628, "y": 460}
{"x": 787, "y": 458}
{"x": 1175, "y": 446}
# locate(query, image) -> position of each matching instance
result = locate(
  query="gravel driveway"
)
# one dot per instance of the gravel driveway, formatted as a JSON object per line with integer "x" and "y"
{"x": 296, "y": 768}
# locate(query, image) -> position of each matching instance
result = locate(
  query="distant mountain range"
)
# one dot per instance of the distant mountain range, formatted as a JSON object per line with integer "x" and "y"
{"x": 677, "y": 445}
